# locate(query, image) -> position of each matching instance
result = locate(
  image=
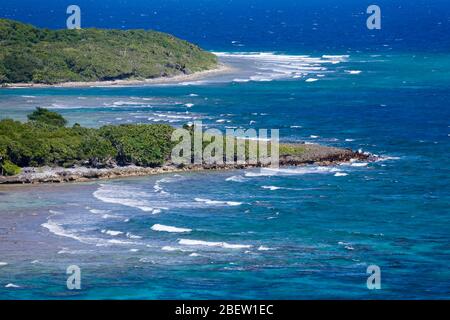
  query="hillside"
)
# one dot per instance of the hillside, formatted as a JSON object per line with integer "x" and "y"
{"x": 32, "y": 55}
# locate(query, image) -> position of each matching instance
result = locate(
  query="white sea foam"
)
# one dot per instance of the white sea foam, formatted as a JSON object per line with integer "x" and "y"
{"x": 359, "y": 164}
{"x": 121, "y": 242}
{"x": 158, "y": 188}
{"x": 127, "y": 103}
{"x": 269, "y": 66}
{"x": 73, "y": 252}
{"x": 311, "y": 80}
{"x": 58, "y": 230}
{"x": 353, "y": 71}
{"x": 112, "y": 232}
{"x": 387, "y": 158}
{"x": 241, "y": 80}
{"x": 2, "y": 264}
{"x": 236, "y": 179}
{"x": 132, "y": 236}
{"x": 98, "y": 211}
{"x": 264, "y": 248}
{"x": 160, "y": 227}
{"x": 170, "y": 248}
{"x": 346, "y": 245}
{"x": 272, "y": 188}
{"x": 336, "y": 57}
{"x": 127, "y": 196}
{"x": 225, "y": 245}
{"x": 12, "y": 285}
{"x": 291, "y": 171}
{"x": 340, "y": 174}
{"x": 216, "y": 202}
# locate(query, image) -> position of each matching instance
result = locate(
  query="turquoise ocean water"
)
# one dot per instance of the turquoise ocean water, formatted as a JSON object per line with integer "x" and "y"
{"x": 296, "y": 233}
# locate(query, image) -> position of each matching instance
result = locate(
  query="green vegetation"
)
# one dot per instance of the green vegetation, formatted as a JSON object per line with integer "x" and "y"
{"x": 292, "y": 149}
{"x": 42, "y": 142}
{"x": 7, "y": 168}
{"x": 32, "y": 55}
{"x": 140, "y": 144}
{"x": 45, "y": 141}
{"x": 44, "y": 116}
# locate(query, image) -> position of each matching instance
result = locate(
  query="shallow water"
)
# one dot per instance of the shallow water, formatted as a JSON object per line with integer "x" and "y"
{"x": 296, "y": 233}
{"x": 309, "y": 68}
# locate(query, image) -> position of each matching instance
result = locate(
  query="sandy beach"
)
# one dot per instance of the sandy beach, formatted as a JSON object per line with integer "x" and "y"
{"x": 220, "y": 70}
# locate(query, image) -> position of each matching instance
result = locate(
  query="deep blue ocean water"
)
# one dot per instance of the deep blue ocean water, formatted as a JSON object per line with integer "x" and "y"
{"x": 296, "y": 233}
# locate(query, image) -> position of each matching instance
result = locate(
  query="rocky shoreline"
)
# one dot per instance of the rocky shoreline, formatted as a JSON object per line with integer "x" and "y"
{"x": 312, "y": 155}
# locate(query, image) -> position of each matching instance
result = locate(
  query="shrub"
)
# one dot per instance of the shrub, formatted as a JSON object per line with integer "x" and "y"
{"x": 144, "y": 145}
{"x": 9, "y": 169}
{"x": 44, "y": 141}
{"x": 48, "y": 117}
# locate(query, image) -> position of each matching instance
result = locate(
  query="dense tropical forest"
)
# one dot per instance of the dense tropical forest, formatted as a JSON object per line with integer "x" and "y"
{"x": 45, "y": 140}
{"x": 32, "y": 55}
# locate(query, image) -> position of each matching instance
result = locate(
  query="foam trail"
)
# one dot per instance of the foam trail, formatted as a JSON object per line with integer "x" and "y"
{"x": 264, "y": 248}
{"x": 340, "y": 174}
{"x": 269, "y": 66}
{"x": 216, "y": 202}
{"x": 112, "y": 232}
{"x": 118, "y": 194}
{"x": 58, "y": 230}
{"x": 291, "y": 171}
{"x": 353, "y": 71}
{"x": 160, "y": 227}
{"x": 271, "y": 188}
{"x": 236, "y": 179}
{"x": 225, "y": 245}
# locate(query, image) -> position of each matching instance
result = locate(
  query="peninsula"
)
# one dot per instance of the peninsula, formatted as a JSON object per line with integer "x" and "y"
{"x": 45, "y": 149}
{"x": 31, "y": 56}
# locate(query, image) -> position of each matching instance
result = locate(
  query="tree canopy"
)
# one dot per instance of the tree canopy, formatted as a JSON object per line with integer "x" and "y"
{"x": 46, "y": 141}
{"x": 32, "y": 55}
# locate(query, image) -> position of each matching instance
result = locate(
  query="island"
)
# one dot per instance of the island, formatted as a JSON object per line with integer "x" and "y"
{"x": 30, "y": 56}
{"x": 44, "y": 149}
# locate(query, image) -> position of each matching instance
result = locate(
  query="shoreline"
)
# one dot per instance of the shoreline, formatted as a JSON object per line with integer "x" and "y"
{"x": 219, "y": 70}
{"x": 314, "y": 155}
